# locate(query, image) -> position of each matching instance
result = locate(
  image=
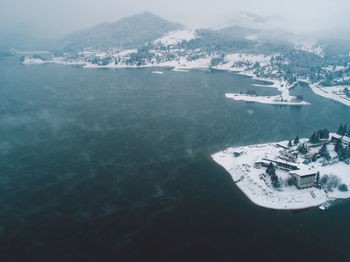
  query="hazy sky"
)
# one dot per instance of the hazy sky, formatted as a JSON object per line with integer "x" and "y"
{"x": 64, "y": 16}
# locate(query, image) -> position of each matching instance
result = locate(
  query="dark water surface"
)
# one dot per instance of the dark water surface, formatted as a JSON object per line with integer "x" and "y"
{"x": 114, "y": 165}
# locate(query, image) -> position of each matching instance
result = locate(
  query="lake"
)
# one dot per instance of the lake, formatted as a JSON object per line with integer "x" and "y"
{"x": 114, "y": 165}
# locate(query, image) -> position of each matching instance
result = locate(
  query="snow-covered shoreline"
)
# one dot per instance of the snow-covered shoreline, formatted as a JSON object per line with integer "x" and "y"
{"x": 271, "y": 100}
{"x": 183, "y": 65}
{"x": 248, "y": 178}
{"x": 330, "y": 93}
{"x": 282, "y": 86}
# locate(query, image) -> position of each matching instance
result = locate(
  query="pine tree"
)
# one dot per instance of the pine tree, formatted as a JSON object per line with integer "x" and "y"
{"x": 322, "y": 134}
{"x": 338, "y": 146}
{"x": 296, "y": 140}
{"x": 292, "y": 181}
{"x": 315, "y": 138}
{"x": 343, "y": 153}
{"x": 340, "y": 130}
{"x": 325, "y": 134}
{"x": 271, "y": 169}
{"x": 275, "y": 181}
{"x": 324, "y": 152}
{"x": 290, "y": 143}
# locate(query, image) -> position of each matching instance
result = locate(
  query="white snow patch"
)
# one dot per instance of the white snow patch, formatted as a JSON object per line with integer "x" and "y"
{"x": 310, "y": 46}
{"x": 272, "y": 100}
{"x": 252, "y": 37}
{"x": 29, "y": 60}
{"x": 127, "y": 52}
{"x": 175, "y": 37}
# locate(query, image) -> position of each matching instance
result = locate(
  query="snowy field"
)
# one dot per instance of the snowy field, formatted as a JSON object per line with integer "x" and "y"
{"x": 175, "y": 37}
{"x": 262, "y": 193}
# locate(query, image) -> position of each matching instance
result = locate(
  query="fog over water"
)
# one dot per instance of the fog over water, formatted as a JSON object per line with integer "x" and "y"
{"x": 114, "y": 164}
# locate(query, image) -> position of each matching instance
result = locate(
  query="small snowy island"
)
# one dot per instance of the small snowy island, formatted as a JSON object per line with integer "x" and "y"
{"x": 292, "y": 175}
{"x": 284, "y": 98}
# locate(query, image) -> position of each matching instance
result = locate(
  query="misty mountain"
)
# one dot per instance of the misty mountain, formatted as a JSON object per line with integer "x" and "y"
{"x": 138, "y": 30}
{"x": 146, "y": 39}
{"x": 130, "y": 32}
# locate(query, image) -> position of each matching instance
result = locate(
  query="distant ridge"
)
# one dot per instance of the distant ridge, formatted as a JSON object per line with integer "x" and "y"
{"x": 129, "y": 32}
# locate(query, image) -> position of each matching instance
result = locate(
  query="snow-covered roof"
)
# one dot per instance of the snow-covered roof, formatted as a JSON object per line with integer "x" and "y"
{"x": 346, "y": 139}
{"x": 304, "y": 170}
{"x": 336, "y": 136}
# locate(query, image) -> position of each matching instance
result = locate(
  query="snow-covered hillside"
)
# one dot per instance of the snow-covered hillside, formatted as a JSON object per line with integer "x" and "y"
{"x": 311, "y": 46}
{"x": 175, "y": 37}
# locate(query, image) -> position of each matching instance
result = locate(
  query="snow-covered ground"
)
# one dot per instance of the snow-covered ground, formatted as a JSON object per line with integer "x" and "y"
{"x": 56, "y": 60}
{"x": 272, "y": 100}
{"x": 259, "y": 191}
{"x": 332, "y": 92}
{"x": 230, "y": 61}
{"x": 282, "y": 99}
{"x": 230, "y": 64}
{"x": 310, "y": 46}
{"x": 127, "y": 52}
{"x": 29, "y": 60}
{"x": 175, "y": 37}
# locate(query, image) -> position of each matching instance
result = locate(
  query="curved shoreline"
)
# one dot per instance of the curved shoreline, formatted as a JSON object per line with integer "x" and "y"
{"x": 247, "y": 178}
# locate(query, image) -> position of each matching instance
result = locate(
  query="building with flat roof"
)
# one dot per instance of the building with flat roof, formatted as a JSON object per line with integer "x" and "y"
{"x": 305, "y": 177}
{"x": 344, "y": 139}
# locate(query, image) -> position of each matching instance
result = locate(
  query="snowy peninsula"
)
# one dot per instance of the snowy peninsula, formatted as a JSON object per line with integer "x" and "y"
{"x": 291, "y": 175}
{"x": 336, "y": 93}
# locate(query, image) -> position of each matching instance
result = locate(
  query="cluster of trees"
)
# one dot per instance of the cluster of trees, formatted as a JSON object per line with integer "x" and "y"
{"x": 299, "y": 98}
{"x": 303, "y": 148}
{"x": 140, "y": 57}
{"x": 295, "y": 141}
{"x": 330, "y": 182}
{"x": 292, "y": 181}
{"x": 271, "y": 171}
{"x": 346, "y": 92}
{"x": 216, "y": 61}
{"x": 342, "y": 151}
{"x": 101, "y": 61}
{"x": 320, "y": 134}
{"x": 342, "y": 130}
